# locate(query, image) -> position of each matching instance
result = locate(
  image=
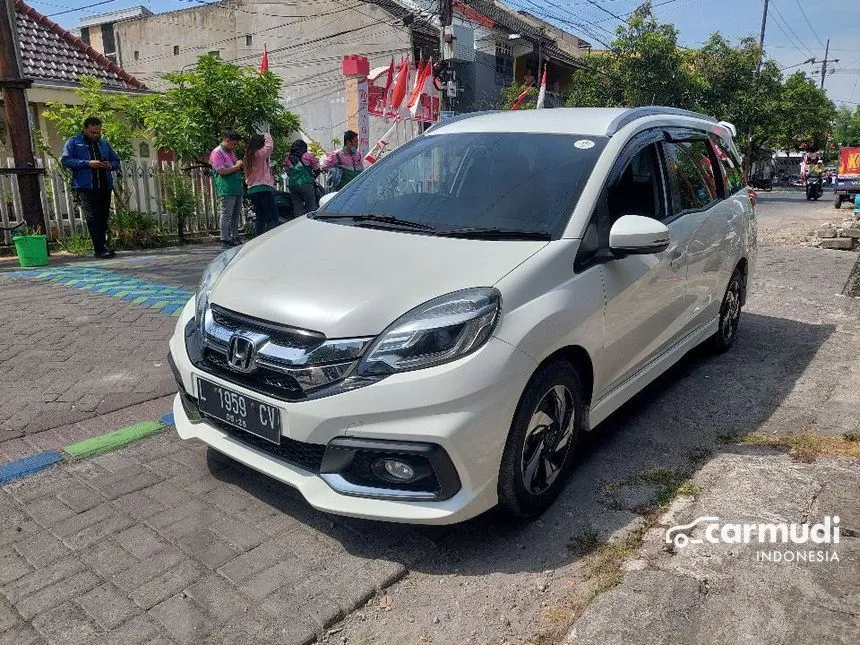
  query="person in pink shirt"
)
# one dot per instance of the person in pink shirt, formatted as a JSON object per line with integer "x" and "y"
{"x": 302, "y": 168}
{"x": 344, "y": 164}
{"x": 261, "y": 184}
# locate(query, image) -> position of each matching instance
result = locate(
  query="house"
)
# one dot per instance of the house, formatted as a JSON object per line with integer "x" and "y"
{"x": 306, "y": 43}
{"x": 54, "y": 59}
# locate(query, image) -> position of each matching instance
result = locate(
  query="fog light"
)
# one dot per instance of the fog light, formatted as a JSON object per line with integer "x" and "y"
{"x": 396, "y": 469}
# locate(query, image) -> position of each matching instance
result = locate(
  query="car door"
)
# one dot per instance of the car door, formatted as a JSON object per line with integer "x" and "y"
{"x": 644, "y": 293}
{"x": 696, "y": 202}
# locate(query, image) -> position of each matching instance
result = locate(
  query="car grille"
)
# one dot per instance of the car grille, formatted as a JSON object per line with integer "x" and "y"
{"x": 263, "y": 380}
{"x": 279, "y": 334}
{"x": 307, "y": 456}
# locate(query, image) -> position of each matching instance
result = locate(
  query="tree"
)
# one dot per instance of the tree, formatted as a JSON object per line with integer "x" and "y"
{"x": 806, "y": 115}
{"x": 846, "y": 129}
{"x": 511, "y": 93}
{"x": 192, "y": 117}
{"x": 120, "y": 115}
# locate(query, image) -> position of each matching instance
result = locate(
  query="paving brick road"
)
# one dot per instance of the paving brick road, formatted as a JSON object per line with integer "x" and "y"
{"x": 70, "y": 354}
{"x": 161, "y": 543}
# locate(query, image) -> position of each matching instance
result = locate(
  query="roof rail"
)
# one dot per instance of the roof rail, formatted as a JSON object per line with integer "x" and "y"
{"x": 651, "y": 110}
{"x": 459, "y": 117}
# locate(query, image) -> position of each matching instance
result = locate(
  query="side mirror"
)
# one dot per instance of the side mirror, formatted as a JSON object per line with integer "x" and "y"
{"x": 638, "y": 235}
{"x": 325, "y": 199}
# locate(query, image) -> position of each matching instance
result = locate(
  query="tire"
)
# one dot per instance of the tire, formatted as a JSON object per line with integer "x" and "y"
{"x": 730, "y": 314}
{"x": 526, "y": 488}
{"x": 837, "y": 202}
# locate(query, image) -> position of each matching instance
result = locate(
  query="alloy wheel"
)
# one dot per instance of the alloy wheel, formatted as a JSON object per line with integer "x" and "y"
{"x": 548, "y": 440}
{"x": 730, "y": 312}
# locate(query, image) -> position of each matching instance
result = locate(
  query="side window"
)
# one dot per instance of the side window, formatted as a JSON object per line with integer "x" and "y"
{"x": 732, "y": 172}
{"x": 638, "y": 189}
{"x": 691, "y": 175}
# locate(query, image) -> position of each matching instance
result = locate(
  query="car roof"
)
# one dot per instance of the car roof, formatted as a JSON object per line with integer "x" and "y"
{"x": 585, "y": 121}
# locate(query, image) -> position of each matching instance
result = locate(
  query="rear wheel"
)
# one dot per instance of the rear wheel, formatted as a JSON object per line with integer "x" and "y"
{"x": 542, "y": 440}
{"x": 730, "y": 313}
{"x": 837, "y": 201}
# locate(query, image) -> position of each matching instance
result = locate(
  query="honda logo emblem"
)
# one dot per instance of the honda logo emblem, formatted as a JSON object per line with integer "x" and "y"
{"x": 242, "y": 353}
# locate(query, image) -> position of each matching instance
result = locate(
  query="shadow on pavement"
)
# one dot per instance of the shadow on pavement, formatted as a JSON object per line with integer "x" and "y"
{"x": 673, "y": 424}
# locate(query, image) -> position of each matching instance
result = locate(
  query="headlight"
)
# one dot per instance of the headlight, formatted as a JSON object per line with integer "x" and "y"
{"x": 210, "y": 275}
{"x": 441, "y": 330}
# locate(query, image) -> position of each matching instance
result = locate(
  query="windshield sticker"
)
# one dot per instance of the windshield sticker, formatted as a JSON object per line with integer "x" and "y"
{"x": 584, "y": 144}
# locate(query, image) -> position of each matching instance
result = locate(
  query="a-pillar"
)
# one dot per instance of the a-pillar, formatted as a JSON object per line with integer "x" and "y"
{"x": 355, "y": 71}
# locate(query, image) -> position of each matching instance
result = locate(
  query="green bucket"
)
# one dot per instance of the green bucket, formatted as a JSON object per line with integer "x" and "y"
{"x": 32, "y": 250}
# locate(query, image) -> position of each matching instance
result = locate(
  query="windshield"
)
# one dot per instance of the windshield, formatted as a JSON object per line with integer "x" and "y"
{"x": 511, "y": 181}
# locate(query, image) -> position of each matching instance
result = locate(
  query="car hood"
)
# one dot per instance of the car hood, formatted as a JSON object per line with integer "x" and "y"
{"x": 346, "y": 281}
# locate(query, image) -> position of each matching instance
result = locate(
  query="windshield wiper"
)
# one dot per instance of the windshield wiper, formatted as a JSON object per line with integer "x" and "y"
{"x": 380, "y": 219}
{"x": 494, "y": 233}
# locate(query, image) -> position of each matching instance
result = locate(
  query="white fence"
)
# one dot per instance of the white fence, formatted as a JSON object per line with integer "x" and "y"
{"x": 139, "y": 184}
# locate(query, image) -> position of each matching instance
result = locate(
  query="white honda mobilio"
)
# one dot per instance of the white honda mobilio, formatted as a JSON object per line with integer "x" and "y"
{"x": 435, "y": 339}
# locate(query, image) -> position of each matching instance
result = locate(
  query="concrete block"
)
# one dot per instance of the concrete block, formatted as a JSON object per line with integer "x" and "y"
{"x": 826, "y": 232}
{"x": 840, "y": 243}
{"x": 109, "y": 606}
{"x": 851, "y": 232}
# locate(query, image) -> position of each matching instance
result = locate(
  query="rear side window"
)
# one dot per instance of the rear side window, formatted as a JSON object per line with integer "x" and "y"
{"x": 691, "y": 175}
{"x": 731, "y": 165}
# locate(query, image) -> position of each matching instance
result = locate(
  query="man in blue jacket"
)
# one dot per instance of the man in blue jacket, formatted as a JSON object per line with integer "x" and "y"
{"x": 92, "y": 162}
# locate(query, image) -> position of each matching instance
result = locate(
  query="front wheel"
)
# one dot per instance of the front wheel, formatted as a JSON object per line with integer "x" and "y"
{"x": 542, "y": 440}
{"x": 730, "y": 314}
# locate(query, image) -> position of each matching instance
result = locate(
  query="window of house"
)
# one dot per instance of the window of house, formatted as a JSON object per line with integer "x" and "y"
{"x": 248, "y": 40}
{"x": 109, "y": 40}
{"x": 691, "y": 175}
{"x": 215, "y": 52}
{"x": 144, "y": 150}
{"x": 136, "y": 55}
{"x": 85, "y": 34}
{"x": 504, "y": 64}
{"x": 176, "y": 50}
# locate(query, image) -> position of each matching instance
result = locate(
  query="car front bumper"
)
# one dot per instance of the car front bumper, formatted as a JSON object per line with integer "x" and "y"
{"x": 464, "y": 407}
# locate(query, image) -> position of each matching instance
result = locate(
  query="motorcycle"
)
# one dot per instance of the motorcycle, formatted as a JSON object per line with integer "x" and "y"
{"x": 814, "y": 187}
{"x": 765, "y": 184}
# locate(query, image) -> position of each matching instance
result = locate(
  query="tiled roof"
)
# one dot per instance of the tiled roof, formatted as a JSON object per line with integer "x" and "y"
{"x": 52, "y": 54}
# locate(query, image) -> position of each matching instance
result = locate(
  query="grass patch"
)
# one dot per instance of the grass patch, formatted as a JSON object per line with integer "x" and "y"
{"x": 669, "y": 481}
{"x": 807, "y": 446}
{"x": 587, "y": 541}
{"x": 77, "y": 244}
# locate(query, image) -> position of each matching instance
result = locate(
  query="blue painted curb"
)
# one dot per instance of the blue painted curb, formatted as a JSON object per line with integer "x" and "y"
{"x": 167, "y": 419}
{"x": 28, "y": 465}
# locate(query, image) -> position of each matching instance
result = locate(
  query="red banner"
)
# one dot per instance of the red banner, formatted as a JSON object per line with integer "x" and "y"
{"x": 849, "y": 161}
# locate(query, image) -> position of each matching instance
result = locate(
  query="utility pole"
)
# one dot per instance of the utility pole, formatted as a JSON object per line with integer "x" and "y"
{"x": 446, "y": 18}
{"x": 824, "y": 63}
{"x": 761, "y": 39}
{"x": 17, "y": 117}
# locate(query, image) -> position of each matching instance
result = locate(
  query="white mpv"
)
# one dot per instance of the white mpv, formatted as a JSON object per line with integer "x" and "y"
{"x": 434, "y": 340}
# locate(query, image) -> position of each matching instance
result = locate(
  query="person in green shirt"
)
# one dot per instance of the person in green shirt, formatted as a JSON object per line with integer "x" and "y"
{"x": 227, "y": 173}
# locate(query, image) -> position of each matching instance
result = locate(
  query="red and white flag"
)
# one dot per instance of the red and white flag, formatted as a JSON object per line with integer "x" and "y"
{"x": 389, "y": 79}
{"x": 420, "y": 84}
{"x": 373, "y": 155}
{"x": 542, "y": 93}
{"x": 264, "y": 64}
{"x": 398, "y": 92}
{"x": 521, "y": 98}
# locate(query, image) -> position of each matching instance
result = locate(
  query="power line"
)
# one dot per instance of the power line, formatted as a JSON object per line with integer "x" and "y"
{"x": 811, "y": 28}
{"x": 95, "y": 4}
{"x": 605, "y": 10}
{"x": 788, "y": 26}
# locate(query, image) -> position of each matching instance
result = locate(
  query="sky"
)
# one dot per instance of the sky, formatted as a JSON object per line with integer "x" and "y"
{"x": 797, "y": 30}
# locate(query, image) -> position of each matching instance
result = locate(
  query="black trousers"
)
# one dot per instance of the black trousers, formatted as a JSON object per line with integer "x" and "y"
{"x": 265, "y": 211}
{"x": 304, "y": 199}
{"x": 95, "y": 204}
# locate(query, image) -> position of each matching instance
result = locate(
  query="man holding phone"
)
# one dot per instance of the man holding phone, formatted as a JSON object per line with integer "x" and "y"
{"x": 92, "y": 162}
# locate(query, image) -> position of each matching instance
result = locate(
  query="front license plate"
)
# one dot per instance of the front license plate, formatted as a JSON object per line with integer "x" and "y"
{"x": 240, "y": 411}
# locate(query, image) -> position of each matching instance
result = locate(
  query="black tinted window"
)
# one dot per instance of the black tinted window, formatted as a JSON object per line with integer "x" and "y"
{"x": 505, "y": 180}
{"x": 733, "y": 179}
{"x": 637, "y": 190}
{"x": 691, "y": 174}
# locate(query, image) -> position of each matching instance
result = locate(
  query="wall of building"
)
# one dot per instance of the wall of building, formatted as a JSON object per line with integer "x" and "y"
{"x": 306, "y": 43}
